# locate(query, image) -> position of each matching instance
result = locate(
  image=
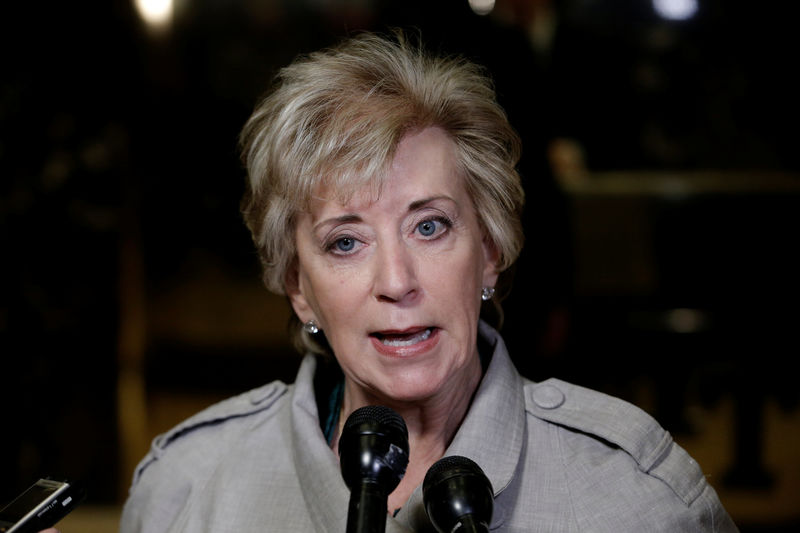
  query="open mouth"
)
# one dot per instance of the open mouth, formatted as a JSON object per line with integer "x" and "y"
{"x": 400, "y": 340}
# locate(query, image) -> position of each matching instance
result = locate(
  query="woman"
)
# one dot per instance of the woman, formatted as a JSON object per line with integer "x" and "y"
{"x": 384, "y": 202}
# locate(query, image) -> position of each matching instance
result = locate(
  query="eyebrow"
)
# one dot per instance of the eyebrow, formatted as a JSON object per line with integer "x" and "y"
{"x": 352, "y": 217}
{"x": 417, "y": 204}
{"x": 344, "y": 219}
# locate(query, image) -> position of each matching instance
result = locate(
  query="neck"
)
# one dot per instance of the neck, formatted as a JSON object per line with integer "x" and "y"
{"x": 432, "y": 423}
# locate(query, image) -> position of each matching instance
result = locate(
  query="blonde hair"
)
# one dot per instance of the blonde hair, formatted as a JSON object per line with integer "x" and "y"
{"x": 335, "y": 118}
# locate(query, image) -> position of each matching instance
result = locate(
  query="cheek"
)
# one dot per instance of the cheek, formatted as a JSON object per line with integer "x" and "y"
{"x": 457, "y": 280}
{"x": 335, "y": 298}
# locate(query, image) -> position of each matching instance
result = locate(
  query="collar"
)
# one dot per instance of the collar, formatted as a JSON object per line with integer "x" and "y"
{"x": 326, "y": 496}
{"x": 492, "y": 434}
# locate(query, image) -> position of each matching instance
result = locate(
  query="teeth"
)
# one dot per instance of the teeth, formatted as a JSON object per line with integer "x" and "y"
{"x": 419, "y": 337}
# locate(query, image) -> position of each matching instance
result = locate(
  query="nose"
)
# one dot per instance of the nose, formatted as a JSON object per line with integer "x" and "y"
{"x": 396, "y": 274}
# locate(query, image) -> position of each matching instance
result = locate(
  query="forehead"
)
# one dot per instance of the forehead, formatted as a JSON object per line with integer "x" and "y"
{"x": 424, "y": 165}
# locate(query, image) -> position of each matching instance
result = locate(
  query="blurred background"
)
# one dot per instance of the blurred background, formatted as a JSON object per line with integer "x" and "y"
{"x": 663, "y": 196}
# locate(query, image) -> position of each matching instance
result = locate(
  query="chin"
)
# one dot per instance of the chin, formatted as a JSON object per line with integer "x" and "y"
{"x": 410, "y": 390}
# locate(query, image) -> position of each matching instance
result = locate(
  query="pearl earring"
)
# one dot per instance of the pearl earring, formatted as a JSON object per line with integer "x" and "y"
{"x": 311, "y": 327}
{"x": 487, "y": 293}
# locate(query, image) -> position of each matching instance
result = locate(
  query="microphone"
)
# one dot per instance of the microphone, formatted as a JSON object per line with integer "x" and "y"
{"x": 373, "y": 455}
{"x": 458, "y": 496}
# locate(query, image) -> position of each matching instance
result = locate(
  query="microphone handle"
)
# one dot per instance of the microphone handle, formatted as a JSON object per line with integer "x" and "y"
{"x": 367, "y": 510}
{"x": 470, "y": 525}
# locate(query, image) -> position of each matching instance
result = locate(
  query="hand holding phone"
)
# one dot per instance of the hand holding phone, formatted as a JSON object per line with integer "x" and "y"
{"x": 46, "y": 502}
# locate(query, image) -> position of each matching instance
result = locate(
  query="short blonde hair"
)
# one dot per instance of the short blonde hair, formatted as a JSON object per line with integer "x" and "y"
{"x": 335, "y": 118}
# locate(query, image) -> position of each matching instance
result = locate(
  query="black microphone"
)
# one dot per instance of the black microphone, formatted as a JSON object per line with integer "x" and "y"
{"x": 373, "y": 454}
{"x": 457, "y": 494}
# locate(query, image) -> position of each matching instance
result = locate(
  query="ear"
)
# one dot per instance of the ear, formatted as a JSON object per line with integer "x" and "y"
{"x": 294, "y": 290}
{"x": 491, "y": 257}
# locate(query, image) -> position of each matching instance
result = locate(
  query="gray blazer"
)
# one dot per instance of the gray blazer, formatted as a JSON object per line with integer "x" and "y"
{"x": 561, "y": 458}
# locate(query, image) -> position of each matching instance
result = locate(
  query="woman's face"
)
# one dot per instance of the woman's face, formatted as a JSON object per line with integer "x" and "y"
{"x": 395, "y": 282}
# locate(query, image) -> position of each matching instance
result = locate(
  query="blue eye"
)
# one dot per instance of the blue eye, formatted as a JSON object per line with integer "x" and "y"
{"x": 427, "y": 228}
{"x": 345, "y": 244}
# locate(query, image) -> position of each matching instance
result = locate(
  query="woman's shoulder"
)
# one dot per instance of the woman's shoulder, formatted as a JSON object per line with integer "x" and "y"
{"x": 619, "y": 425}
{"x": 209, "y": 429}
{"x": 613, "y": 455}
{"x": 181, "y": 459}
{"x": 601, "y": 416}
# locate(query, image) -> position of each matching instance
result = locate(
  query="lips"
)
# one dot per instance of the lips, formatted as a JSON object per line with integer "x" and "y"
{"x": 408, "y": 338}
{"x": 405, "y": 342}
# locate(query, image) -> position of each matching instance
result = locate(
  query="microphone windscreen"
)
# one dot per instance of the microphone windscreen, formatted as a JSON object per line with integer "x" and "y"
{"x": 373, "y": 447}
{"x": 377, "y": 416}
{"x": 456, "y": 490}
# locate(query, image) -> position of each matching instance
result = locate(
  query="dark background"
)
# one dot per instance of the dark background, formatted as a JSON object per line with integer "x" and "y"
{"x": 665, "y": 263}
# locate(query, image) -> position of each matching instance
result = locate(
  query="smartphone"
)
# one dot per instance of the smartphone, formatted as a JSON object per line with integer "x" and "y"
{"x": 46, "y": 502}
